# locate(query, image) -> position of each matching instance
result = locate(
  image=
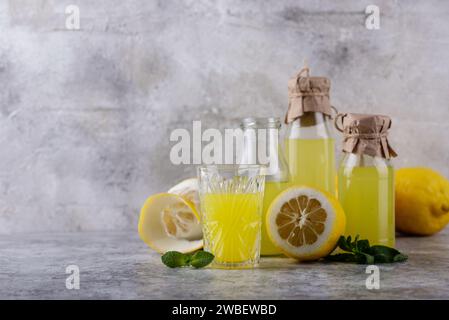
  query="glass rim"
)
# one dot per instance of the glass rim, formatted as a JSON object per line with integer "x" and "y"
{"x": 260, "y": 123}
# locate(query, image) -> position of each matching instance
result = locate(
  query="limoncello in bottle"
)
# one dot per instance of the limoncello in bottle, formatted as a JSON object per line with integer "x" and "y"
{"x": 262, "y": 146}
{"x": 309, "y": 141}
{"x": 366, "y": 178}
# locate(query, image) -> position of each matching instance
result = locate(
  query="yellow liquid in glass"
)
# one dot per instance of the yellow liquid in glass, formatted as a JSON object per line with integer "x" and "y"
{"x": 232, "y": 225}
{"x": 312, "y": 162}
{"x": 272, "y": 189}
{"x": 367, "y": 196}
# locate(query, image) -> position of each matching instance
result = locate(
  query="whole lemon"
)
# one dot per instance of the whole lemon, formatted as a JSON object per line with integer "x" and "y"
{"x": 422, "y": 201}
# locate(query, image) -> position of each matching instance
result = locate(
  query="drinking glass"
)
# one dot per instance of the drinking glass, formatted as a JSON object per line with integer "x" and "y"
{"x": 231, "y": 198}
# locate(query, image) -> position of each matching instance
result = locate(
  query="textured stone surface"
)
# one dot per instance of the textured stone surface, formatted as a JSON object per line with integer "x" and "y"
{"x": 117, "y": 265}
{"x": 85, "y": 115}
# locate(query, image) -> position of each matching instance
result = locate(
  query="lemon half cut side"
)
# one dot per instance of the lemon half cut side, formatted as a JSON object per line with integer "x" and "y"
{"x": 305, "y": 223}
{"x": 170, "y": 221}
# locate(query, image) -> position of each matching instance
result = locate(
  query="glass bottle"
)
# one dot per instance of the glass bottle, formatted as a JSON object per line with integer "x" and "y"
{"x": 261, "y": 146}
{"x": 366, "y": 178}
{"x": 309, "y": 140}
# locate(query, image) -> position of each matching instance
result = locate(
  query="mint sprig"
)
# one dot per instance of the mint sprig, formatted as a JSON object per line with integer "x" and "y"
{"x": 201, "y": 259}
{"x": 360, "y": 251}
{"x": 175, "y": 259}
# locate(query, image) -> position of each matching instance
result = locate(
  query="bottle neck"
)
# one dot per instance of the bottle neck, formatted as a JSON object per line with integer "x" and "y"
{"x": 263, "y": 146}
{"x": 311, "y": 125}
{"x": 277, "y": 165}
{"x": 309, "y": 119}
{"x": 363, "y": 160}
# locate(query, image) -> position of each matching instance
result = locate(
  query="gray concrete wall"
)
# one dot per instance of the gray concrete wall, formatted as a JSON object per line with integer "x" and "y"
{"x": 85, "y": 116}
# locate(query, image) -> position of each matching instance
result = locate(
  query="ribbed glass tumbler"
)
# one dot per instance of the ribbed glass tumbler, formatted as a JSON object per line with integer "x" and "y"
{"x": 231, "y": 199}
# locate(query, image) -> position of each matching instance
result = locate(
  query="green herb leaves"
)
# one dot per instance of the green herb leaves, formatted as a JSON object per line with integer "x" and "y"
{"x": 357, "y": 251}
{"x": 201, "y": 259}
{"x": 175, "y": 259}
{"x": 361, "y": 252}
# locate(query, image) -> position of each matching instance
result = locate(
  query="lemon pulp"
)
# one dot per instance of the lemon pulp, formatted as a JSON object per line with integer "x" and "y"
{"x": 305, "y": 223}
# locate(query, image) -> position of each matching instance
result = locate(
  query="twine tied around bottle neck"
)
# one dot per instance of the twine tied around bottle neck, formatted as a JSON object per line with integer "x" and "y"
{"x": 307, "y": 94}
{"x": 365, "y": 134}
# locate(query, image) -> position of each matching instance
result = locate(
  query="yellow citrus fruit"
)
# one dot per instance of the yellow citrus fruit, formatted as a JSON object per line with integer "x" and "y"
{"x": 305, "y": 223}
{"x": 170, "y": 221}
{"x": 422, "y": 201}
{"x": 188, "y": 189}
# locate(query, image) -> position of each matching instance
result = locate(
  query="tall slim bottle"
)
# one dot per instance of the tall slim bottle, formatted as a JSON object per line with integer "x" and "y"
{"x": 262, "y": 146}
{"x": 366, "y": 178}
{"x": 309, "y": 140}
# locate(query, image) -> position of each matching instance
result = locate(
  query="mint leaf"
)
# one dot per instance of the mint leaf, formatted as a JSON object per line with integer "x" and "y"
{"x": 381, "y": 258}
{"x": 365, "y": 258}
{"x": 384, "y": 250}
{"x": 344, "y": 244}
{"x": 341, "y": 257}
{"x": 363, "y": 246}
{"x": 400, "y": 257}
{"x": 175, "y": 259}
{"x": 201, "y": 259}
{"x": 386, "y": 254}
{"x": 360, "y": 251}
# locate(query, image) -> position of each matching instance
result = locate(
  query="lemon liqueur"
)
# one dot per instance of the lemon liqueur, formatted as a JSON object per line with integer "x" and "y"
{"x": 232, "y": 222}
{"x": 262, "y": 145}
{"x": 231, "y": 202}
{"x": 366, "y": 178}
{"x": 309, "y": 140}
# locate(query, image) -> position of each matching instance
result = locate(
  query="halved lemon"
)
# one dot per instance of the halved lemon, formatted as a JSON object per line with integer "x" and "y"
{"x": 305, "y": 223}
{"x": 170, "y": 221}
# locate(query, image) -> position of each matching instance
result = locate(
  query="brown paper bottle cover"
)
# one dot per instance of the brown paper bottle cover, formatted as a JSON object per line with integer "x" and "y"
{"x": 365, "y": 134}
{"x": 307, "y": 94}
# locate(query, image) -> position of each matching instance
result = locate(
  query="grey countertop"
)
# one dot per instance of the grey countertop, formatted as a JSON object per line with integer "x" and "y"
{"x": 117, "y": 265}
